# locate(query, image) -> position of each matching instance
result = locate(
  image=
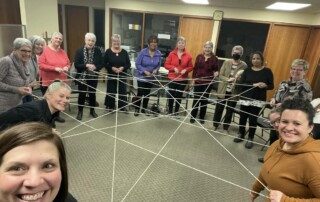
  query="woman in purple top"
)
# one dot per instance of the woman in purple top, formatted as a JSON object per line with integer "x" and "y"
{"x": 147, "y": 64}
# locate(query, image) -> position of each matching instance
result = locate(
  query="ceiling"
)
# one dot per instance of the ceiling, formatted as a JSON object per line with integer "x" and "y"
{"x": 251, "y": 4}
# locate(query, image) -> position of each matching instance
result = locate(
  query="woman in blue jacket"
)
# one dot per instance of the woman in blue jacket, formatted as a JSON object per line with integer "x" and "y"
{"x": 147, "y": 64}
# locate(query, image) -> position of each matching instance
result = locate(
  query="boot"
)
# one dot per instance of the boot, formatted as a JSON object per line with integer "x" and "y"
{"x": 93, "y": 113}
{"x": 239, "y": 138}
{"x": 79, "y": 116}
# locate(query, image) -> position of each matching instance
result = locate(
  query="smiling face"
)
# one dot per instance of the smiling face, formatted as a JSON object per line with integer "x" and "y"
{"x": 58, "y": 99}
{"x": 24, "y": 53}
{"x": 294, "y": 126}
{"x": 116, "y": 43}
{"x": 90, "y": 42}
{"x": 30, "y": 173}
{"x": 297, "y": 72}
{"x": 56, "y": 40}
{"x": 38, "y": 47}
{"x": 207, "y": 49}
{"x": 153, "y": 45}
{"x": 181, "y": 45}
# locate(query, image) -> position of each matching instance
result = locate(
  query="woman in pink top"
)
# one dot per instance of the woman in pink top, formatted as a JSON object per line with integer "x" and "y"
{"x": 54, "y": 64}
{"x": 179, "y": 64}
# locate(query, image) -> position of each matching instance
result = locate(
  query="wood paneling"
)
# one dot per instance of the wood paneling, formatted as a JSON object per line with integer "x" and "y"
{"x": 312, "y": 55}
{"x": 77, "y": 25}
{"x": 196, "y": 31}
{"x": 10, "y": 12}
{"x": 60, "y": 19}
{"x": 285, "y": 43}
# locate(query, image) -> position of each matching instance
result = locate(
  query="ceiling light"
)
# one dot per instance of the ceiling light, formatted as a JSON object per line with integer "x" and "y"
{"x": 196, "y": 1}
{"x": 287, "y": 6}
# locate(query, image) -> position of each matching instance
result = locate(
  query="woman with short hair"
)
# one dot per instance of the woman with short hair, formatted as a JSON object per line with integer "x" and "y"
{"x": 205, "y": 69}
{"x": 291, "y": 169}
{"x": 15, "y": 75}
{"x": 117, "y": 62}
{"x": 228, "y": 88}
{"x": 179, "y": 64}
{"x": 148, "y": 63}
{"x": 88, "y": 62}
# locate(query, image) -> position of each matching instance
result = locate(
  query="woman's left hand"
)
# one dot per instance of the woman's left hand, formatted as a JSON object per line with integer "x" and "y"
{"x": 275, "y": 196}
{"x": 215, "y": 74}
{"x": 183, "y": 71}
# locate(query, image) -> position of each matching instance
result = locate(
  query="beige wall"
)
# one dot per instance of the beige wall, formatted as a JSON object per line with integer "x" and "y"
{"x": 39, "y": 16}
{"x": 266, "y": 16}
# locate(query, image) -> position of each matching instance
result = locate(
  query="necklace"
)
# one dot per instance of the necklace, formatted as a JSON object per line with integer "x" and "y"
{"x": 116, "y": 51}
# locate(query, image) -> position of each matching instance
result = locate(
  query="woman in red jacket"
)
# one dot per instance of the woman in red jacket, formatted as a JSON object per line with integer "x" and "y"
{"x": 179, "y": 64}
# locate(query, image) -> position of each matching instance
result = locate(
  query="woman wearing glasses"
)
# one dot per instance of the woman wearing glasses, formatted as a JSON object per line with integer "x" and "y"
{"x": 15, "y": 75}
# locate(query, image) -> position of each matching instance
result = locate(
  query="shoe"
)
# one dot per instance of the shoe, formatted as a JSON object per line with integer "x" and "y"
{"x": 124, "y": 110}
{"x": 261, "y": 160}
{"x": 61, "y": 120}
{"x": 192, "y": 120}
{"x": 249, "y": 143}
{"x": 238, "y": 139}
{"x": 136, "y": 112}
{"x": 79, "y": 116}
{"x": 93, "y": 113}
{"x": 202, "y": 121}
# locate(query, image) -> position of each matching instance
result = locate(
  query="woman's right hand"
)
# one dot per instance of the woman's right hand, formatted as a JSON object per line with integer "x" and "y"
{"x": 176, "y": 70}
{"x": 24, "y": 90}
{"x": 253, "y": 196}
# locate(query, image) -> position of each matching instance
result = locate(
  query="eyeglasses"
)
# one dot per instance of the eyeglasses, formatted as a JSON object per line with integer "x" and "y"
{"x": 25, "y": 51}
{"x": 295, "y": 69}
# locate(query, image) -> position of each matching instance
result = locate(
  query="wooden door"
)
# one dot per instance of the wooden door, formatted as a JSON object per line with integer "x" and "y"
{"x": 10, "y": 12}
{"x": 77, "y": 25}
{"x": 285, "y": 43}
{"x": 196, "y": 31}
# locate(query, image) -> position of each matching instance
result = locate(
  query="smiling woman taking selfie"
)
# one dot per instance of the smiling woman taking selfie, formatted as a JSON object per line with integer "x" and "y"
{"x": 32, "y": 165}
{"x": 291, "y": 169}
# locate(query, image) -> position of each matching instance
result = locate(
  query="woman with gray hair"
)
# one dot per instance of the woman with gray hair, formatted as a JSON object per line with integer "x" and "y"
{"x": 296, "y": 86}
{"x": 37, "y": 43}
{"x": 205, "y": 69}
{"x": 15, "y": 75}
{"x": 88, "y": 61}
{"x": 117, "y": 62}
{"x": 230, "y": 74}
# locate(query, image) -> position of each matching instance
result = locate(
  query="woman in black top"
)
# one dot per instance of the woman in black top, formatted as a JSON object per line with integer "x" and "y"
{"x": 256, "y": 81}
{"x": 117, "y": 62}
{"x": 88, "y": 61}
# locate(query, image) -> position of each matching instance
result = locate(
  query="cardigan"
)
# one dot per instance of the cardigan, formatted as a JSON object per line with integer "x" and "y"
{"x": 294, "y": 172}
{"x": 172, "y": 61}
{"x": 79, "y": 59}
{"x": 224, "y": 75}
{"x": 13, "y": 74}
{"x": 117, "y": 60}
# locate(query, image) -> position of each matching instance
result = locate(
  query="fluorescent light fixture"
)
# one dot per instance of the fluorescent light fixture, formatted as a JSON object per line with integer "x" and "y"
{"x": 196, "y": 1}
{"x": 287, "y": 6}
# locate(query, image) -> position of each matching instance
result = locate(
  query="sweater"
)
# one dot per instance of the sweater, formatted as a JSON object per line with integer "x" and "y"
{"x": 48, "y": 61}
{"x": 13, "y": 74}
{"x": 224, "y": 75}
{"x": 79, "y": 60}
{"x": 117, "y": 60}
{"x": 294, "y": 172}
{"x": 173, "y": 61}
{"x": 203, "y": 70}
{"x": 145, "y": 62}
{"x": 288, "y": 89}
{"x": 249, "y": 77}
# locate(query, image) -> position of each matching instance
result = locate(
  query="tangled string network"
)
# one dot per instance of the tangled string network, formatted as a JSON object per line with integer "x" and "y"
{"x": 160, "y": 87}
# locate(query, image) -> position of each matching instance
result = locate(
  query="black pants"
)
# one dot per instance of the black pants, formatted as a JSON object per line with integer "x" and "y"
{"x": 201, "y": 95}
{"x": 274, "y": 135}
{"x": 144, "y": 89}
{"x": 113, "y": 87}
{"x": 250, "y": 112}
{"x": 221, "y": 104}
{"x": 176, "y": 89}
{"x": 91, "y": 90}
{"x": 316, "y": 131}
